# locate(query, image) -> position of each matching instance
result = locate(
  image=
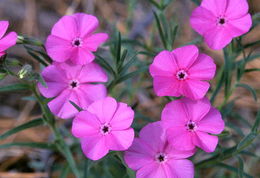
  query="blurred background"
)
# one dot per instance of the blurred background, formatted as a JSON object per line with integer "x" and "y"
{"x": 135, "y": 20}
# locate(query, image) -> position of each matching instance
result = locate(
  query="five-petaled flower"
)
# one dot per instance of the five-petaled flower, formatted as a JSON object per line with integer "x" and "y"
{"x": 67, "y": 82}
{"x": 182, "y": 72}
{"x": 152, "y": 155}
{"x": 8, "y": 40}
{"x": 189, "y": 123}
{"x": 218, "y": 21}
{"x": 103, "y": 126}
{"x": 72, "y": 39}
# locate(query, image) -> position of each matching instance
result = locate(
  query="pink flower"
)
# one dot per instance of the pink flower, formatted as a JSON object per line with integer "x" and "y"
{"x": 67, "y": 82}
{"x": 218, "y": 21}
{"x": 182, "y": 72}
{"x": 104, "y": 126}
{"x": 152, "y": 157}
{"x": 72, "y": 39}
{"x": 7, "y": 41}
{"x": 189, "y": 123}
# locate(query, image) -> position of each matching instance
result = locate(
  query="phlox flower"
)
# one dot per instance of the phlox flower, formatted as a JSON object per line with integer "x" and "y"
{"x": 67, "y": 82}
{"x": 152, "y": 156}
{"x": 182, "y": 72}
{"x": 190, "y": 124}
{"x": 218, "y": 21}
{"x": 72, "y": 39}
{"x": 8, "y": 40}
{"x": 103, "y": 126}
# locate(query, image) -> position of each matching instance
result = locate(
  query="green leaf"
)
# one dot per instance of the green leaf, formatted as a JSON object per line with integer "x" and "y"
{"x": 38, "y": 58}
{"x": 158, "y": 6}
{"x": 128, "y": 64}
{"x": 197, "y": 2}
{"x": 30, "y": 124}
{"x": 233, "y": 169}
{"x": 159, "y": 26}
{"x": 130, "y": 75}
{"x": 252, "y": 70}
{"x": 249, "y": 88}
{"x": 76, "y": 106}
{"x": 246, "y": 141}
{"x": 40, "y": 145}
{"x": 240, "y": 170}
{"x": 15, "y": 87}
{"x": 118, "y": 48}
{"x": 257, "y": 123}
{"x": 101, "y": 61}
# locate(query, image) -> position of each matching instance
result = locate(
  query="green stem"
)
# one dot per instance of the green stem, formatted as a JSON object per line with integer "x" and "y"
{"x": 60, "y": 143}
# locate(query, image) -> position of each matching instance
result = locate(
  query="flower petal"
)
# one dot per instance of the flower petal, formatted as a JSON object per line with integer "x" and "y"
{"x": 85, "y": 124}
{"x": 166, "y": 86}
{"x": 181, "y": 168}
{"x": 8, "y": 41}
{"x": 120, "y": 139}
{"x": 86, "y": 24}
{"x": 53, "y": 74}
{"x": 92, "y": 72}
{"x": 202, "y": 20}
{"x": 58, "y": 49}
{"x": 195, "y": 89}
{"x": 61, "y": 107}
{"x": 94, "y": 41}
{"x": 217, "y": 7}
{"x": 176, "y": 153}
{"x": 88, "y": 93}
{"x": 205, "y": 141}
{"x": 138, "y": 155}
{"x": 3, "y": 28}
{"x": 203, "y": 69}
{"x": 104, "y": 109}
{"x": 82, "y": 56}
{"x": 123, "y": 117}
{"x": 180, "y": 138}
{"x": 240, "y": 26}
{"x": 236, "y": 8}
{"x": 218, "y": 38}
{"x": 151, "y": 170}
{"x": 164, "y": 64}
{"x": 186, "y": 56}
{"x": 212, "y": 122}
{"x": 53, "y": 89}
{"x": 65, "y": 28}
{"x": 94, "y": 147}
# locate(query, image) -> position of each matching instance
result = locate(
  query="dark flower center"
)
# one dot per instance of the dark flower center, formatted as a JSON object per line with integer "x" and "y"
{"x": 191, "y": 126}
{"x": 181, "y": 75}
{"x": 77, "y": 42}
{"x": 221, "y": 21}
{"x": 74, "y": 84}
{"x": 161, "y": 157}
{"x": 105, "y": 129}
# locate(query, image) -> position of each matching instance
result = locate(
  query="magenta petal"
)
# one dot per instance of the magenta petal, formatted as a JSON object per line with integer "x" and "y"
{"x": 68, "y": 70}
{"x": 218, "y": 38}
{"x": 166, "y": 86}
{"x": 85, "y": 124}
{"x": 205, "y": 141}
{"x": 176, "y": 153}
{"x": 61, "y": 107}
{"x": 218, "y": 7}
{"x": 202, "y": 20}
{"x": 180, "y": 138}
{"x": 88, "y": 93}
{"x": 2, "y": 53}
{"x": 164, "y": 64}
{"x": 196, "y": 109}
{"x": 123, "y": 117}
{"x": 86, "y": 24}
{"x": 186, "y": 56}
{"x": 3, "y": 28}
{"x": 138, "y": 155}
{"x": 212, "y": 122}
{"x": 82, "y": 56}
{"x": 236, "y": 8}
{"x": 95, "y": 40}
{"x": 195, "y": 89}
{"x": 8, "y": 41}
{"x": 175, "y": 113}
{"x": 53, "y": 89}
{"x": 94, "y": 147}
{"x": 152, "y": 170}
{"x": 58, "y": 49}
{"x": 65, "y": 28}
{"x": 92, "y": 72}
{"x": 53, "y": 74}
{"x": 120, "y": 139}
{"x": 104, "y": 109}
{"x": 181, "y": 168}
{"x": 240, "y": 26}
{"x": 203, "y": 69}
